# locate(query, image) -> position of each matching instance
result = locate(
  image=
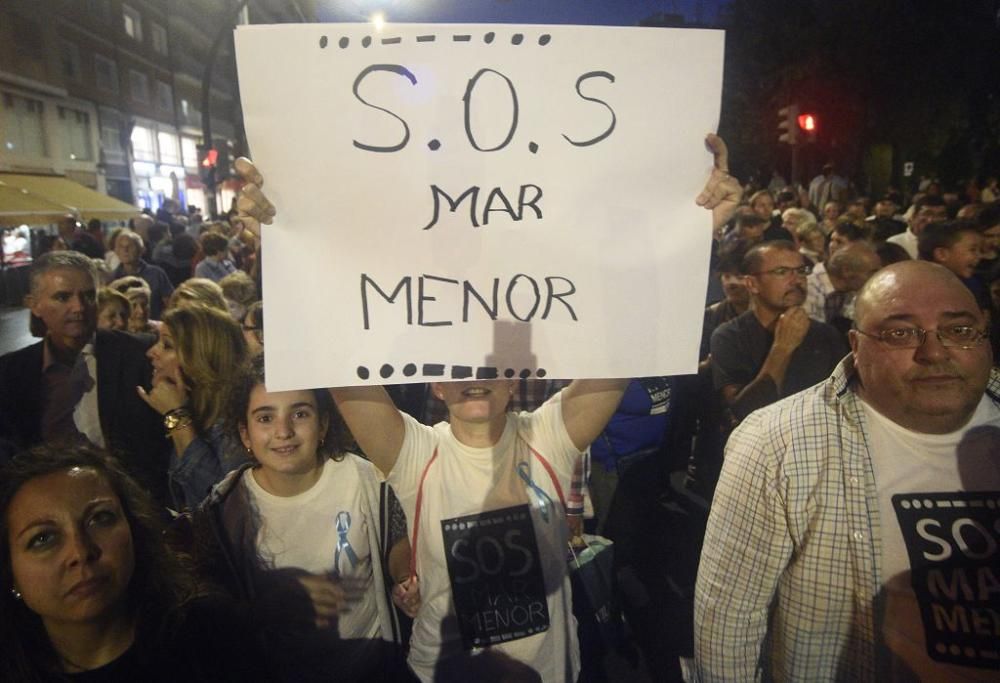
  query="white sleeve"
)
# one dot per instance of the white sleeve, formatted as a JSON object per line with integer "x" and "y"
{"x": 419, "y": 442}
{"x": 545, "y": 431}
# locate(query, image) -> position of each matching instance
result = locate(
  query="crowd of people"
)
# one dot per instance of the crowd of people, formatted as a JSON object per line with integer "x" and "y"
{"x": 420, "y": 532}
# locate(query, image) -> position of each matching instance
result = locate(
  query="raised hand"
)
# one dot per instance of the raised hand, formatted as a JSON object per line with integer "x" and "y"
{"x": 253, "y": 208}
{"x": 722, "y": 192}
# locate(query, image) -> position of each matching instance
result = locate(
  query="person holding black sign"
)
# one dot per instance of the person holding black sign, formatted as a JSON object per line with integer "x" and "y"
{"x": 485, "y": 499}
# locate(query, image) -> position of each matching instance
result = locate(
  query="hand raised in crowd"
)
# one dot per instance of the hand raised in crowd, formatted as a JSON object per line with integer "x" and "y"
{"x": 169, "y": 392}
{"x": 791, "y": 328}
{"x": 252, "y": 206}
{"x": 722, "y": 192}
{"x": 406, "y": 596}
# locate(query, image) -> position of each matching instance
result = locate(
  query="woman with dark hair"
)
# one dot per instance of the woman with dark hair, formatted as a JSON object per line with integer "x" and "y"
{"x": 308, "y": 536}
{"x": 90, "y": 592}
{"x": 199, "y": 350}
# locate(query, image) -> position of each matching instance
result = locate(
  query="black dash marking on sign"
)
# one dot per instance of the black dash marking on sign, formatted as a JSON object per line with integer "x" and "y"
{"x": 486, "y": 373}
{"x": 392, "y": 41}
{"x": 461, "y": 372}
{"x": 426, "y": 39}
{"x": 462, "y": 38}
{"x": 433, "y": 370}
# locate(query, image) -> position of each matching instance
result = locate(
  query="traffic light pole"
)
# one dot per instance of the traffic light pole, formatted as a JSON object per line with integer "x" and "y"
{"x": 795, "y": 165}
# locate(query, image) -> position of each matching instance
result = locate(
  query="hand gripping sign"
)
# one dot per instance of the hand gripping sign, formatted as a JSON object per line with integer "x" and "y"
{"x": 481, "y": 201}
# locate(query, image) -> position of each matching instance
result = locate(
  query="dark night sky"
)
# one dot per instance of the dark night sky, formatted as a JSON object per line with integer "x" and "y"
{"x": 603, "y": 12}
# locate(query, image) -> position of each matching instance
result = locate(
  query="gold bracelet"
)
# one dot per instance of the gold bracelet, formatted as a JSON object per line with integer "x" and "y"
{"x": 178, "y": 418}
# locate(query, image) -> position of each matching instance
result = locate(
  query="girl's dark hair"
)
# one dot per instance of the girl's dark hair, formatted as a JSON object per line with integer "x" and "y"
{"x": 160, "y": 585}
{"x": 335, "y": 442}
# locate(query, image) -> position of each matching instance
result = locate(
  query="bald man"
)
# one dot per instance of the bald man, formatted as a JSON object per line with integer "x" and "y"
{"x": 854, "y": 533}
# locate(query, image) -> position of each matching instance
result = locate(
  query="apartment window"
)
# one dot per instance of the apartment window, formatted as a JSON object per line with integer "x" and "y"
{"x": 170, "y": 153}
{"x": 184, "y": 107}
{"x": 69, "y": 57}
{"x": 77, "y": 144}
{"x": 143, "y": 147}
{"x": 159, "y": 36}
{"x": 107, "y": 73}
{"x": 189, "y": 147}
{"x": 164, "y": 96}
{"x": 133, "y": 23}
{"x": 24, "y": 133}
{"x": 110, "y": 140}
{"x": 138, "y": 86}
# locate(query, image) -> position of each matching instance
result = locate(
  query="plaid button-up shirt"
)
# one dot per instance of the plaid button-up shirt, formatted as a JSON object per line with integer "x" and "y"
{"x": 791, "y": 564}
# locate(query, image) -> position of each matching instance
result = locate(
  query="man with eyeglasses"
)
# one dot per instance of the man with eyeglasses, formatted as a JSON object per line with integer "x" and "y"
{"x": 773, "y": 350}
{"x": 855, "y": 531}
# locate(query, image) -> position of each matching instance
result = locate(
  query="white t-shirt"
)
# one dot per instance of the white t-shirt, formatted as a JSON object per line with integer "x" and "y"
{"x": 505, "y": 580}
{"x": 937, "y": 493}
{"x": 324, "y": 531}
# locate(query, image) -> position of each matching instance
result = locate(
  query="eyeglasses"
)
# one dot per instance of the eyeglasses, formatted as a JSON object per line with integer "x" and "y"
{"x": 951, "y": 337}
{"x": 785, "y": 271}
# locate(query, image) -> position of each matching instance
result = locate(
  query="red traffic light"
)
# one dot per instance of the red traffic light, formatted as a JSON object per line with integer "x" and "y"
{"x": 807, "y": 122}
{"x": 211, "y": 156}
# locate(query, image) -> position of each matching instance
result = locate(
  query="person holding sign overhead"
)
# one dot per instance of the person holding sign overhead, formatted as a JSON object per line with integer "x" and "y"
{"x": 484, "y": 495}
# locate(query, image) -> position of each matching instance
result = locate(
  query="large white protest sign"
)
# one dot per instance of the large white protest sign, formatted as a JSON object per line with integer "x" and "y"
{"x": 478, "y": 201}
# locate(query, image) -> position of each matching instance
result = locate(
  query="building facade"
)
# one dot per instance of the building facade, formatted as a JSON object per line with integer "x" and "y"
{"x": 109, "y": 92}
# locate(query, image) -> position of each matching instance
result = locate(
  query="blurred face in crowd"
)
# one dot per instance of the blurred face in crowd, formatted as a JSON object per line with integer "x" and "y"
{"x": 283, "y": 431}
{"x": 995, "y": 294}
{"x": 66, "y": 301}
{"x": 163, "y": 354}
{"x": 127, "y": 250}
{"x": 838, "y": 241}
{"x": 990, "y": 247}
{"x": 751, "y": 232}
{"x": 931, "y": 388}
{"x": 139, "y": 318}
{"x": 735, "y": 288}
{"x": 885, "y": 209}
{"x": 253, "y": 335}
{"x": 71, "y": 549}
{"x": 963, "y": 256}
{"x": 831, "y": 212}
{"x": 763, "y": 206}
{"x": 113, "y": 316}
{"x": 927, "y": 214}
{"x": 777, "y": 285}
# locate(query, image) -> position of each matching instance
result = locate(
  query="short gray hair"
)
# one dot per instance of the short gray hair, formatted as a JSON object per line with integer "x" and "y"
{"x": 60, "y": 260}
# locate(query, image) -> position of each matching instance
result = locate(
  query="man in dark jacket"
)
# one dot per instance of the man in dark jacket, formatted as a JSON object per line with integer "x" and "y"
{"x": 79, "y": 382}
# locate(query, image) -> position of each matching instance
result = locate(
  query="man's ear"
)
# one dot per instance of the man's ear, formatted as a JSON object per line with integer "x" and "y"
{"x": 751, "y": 283}
{"x": 941, "y": 254}
{"x": 437, "y": 391}
{"x": 852, "y": 339}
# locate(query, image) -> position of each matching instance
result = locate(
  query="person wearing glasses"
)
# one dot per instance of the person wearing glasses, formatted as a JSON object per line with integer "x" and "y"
{"x": 772, "y": 350}
{"x": 853, "y": 535}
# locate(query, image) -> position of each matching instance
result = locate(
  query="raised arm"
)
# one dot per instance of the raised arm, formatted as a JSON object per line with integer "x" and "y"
{"x": 374, "y": 421}
{"x": 587, "y": 405}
